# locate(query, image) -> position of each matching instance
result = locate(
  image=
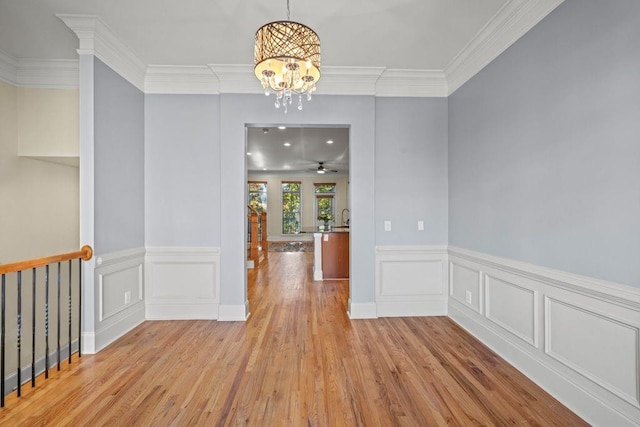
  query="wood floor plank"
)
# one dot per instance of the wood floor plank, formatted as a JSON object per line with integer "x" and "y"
{"x": 297, "y": 361}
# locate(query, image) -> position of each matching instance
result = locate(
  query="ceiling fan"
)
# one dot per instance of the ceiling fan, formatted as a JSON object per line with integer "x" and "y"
{"x": 322, "y": 169}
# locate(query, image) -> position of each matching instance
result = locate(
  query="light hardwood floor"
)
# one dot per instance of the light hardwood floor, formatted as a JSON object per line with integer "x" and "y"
{"x": 297, "y": 361}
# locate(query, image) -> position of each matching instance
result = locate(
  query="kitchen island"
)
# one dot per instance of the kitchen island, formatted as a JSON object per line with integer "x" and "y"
{"x": 330, "y": 252}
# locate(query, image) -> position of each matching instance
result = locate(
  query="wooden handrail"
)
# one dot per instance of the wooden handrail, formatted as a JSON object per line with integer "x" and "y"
{"x": 86, "y": 252}
{"x": 253, "y": 210}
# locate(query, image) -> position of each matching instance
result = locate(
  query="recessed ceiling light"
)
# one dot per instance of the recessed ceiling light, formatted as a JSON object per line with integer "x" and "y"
{"x": 248, "y": 154}
{"x": 330, "y": 141}
{"x": 264, "y": 169}
{"x": 287, "y": 144}
{"x": 282, "y": 127}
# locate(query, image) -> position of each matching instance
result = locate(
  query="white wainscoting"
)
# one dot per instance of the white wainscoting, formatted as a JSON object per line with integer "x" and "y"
{"x": 411, "y": 281}
{"x": 182, "y": 283}
{"x": 577, "y": 337}
{"x": 119, "y": 297}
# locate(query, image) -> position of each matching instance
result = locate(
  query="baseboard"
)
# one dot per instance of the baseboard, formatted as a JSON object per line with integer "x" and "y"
{"x": 433, "y": 307}
{"x": 119, "y": 326}
{"x": 185, "y": 311}
{"x": 88, "y": 343}
{"x": 577, "y": 337}
{"x": 233, "y": 313}
{"x": 411, "y": 281}
{"x": 366, "y": 310}
{"x": 182, "y": 283}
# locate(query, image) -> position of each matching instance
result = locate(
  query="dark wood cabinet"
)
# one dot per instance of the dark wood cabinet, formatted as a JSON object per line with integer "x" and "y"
{"x": 335, "y": 255}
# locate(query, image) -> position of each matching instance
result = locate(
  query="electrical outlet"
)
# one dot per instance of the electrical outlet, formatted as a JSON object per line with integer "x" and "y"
{"x": 420, "y": 225}
{"x": 387, "y": 226}
{"x": 468, "y": 297}
{"x": 127, "y": 297}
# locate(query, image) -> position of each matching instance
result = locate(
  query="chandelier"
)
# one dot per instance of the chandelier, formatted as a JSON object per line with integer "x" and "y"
{"x": 287, "y": 60}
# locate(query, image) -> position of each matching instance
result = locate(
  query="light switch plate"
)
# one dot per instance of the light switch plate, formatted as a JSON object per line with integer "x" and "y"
{"x": 420, "y": 225}
{"x": 387, "y": 226}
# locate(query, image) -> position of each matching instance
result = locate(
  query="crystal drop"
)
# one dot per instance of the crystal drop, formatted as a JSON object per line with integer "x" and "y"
{"x": 300, "y": 102}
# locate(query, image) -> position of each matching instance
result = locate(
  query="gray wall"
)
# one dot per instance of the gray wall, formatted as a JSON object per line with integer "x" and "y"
{"x": 182, "y": 170}
{"x": 544, "y": 148}
{"x": 357, "y": 112}
{"x": 119, "y": 162}
{"x": 411, "y": 170}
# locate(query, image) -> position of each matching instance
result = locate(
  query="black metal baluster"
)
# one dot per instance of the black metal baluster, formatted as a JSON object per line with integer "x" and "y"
{"x": 33, "y": 329}
{"x": 80, "y": 307}
{"x": 46, "y": 321}
{"x": 2, "y": 338}
{"x": 19, "y": 337}
{"x": 69, "y": 311}
{"x": 58, "y": 334}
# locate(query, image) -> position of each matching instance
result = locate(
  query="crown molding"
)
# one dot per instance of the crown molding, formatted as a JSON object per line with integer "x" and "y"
{"x": 235, "y": 78}
{"x": 167, "y": 79}
{"x": 8, "y": 69}
{"x": 349, "y": 80}
{"x": 510, "y": 23}
{"x": 412, "y": 83}
{"x": 56, "y": 74}
{"x": 239, "y": 78}
{"x": 97, "y": 39}
{"x": 39, "y": 73}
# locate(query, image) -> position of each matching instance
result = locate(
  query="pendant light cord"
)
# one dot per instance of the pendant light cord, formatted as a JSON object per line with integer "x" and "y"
{"x": 288, "y": 12}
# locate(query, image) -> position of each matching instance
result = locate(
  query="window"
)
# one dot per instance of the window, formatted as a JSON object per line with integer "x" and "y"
{"x": 325, "y": 206}
{"x": 258, "y": 195}
{"x": 290, "y": 207}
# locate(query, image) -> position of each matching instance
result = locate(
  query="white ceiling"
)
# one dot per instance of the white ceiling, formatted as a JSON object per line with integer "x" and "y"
{"x": 308, "y": 147}
{"x": 401, "y": 34}
{"x": 429, "y": 46}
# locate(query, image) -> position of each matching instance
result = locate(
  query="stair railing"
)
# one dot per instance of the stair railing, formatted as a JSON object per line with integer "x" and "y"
{"x": 257, "y": 238}
{"x": 14, "y": 272}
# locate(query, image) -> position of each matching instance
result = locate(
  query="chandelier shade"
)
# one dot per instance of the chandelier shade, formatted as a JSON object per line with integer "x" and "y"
{"x": 287, "y": 60}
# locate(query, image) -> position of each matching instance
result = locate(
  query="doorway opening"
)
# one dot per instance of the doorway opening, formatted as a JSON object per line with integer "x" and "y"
{"x": 297, "y": 187}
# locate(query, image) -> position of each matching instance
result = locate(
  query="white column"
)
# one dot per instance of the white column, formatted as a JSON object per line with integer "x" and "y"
{"x": 317, "y": 256}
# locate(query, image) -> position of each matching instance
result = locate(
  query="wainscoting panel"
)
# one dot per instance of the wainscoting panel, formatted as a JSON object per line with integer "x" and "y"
{"x": 467, "y": 286}
{"x": 182, "y": 283}
{"x": 577, "y": 337}
{"x": 118, "y": 289}
{"x": 411, "y": 281}
{"x": 513, "y": 307}
{"x": 574, "y": 331}
{"x": 119, "y": 294}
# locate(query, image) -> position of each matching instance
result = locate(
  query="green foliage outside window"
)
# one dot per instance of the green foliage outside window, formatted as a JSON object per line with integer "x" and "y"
{"x": 325, "y": 188}
{"x": 324, "y": 201}
{"x": 290, "y": 207}
{"x": 325, "y": 208}
{"x": 258, "y": 196}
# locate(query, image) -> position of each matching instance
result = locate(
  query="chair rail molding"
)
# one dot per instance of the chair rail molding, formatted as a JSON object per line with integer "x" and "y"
{"x": 575, "y": 336}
